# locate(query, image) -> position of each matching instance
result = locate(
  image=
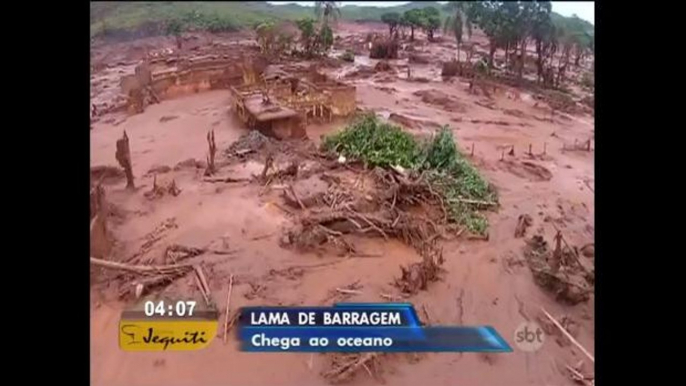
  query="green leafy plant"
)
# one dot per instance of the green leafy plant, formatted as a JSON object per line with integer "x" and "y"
{"x": 381, "y": 144}
{"x": 374, "y": 143}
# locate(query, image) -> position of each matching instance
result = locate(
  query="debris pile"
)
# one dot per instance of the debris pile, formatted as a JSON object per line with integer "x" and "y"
{"x": 523, "y": 223}
{"x": 451, "y": 68}
{"x": 419, "y": 59}
{"x": 361, "y": 71}
{"x": 559, "y": 270}
{"x": 159, "y": 191}
{"x": 384, "y": 49}
{"x": 560, "y": 101}
{"x": 383, "y": 66}
{"x": 342, "y": 367}
{"x": 435, "y": 97}
{"x": 106, "y": 174}
{"x": 252, "y": 142}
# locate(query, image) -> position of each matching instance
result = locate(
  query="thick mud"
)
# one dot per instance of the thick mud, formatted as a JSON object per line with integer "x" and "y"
{"x": 486, "y": 282}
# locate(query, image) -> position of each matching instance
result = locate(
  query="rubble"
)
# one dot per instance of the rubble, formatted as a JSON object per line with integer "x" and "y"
{"x": 557, "y": 272}
{"x": 435, "y": 97}
{"x": 282, "y": 108}
{"x": 384, "y": 49}
{"x": 106, "y": 174}
{"x": 523, "y": 222}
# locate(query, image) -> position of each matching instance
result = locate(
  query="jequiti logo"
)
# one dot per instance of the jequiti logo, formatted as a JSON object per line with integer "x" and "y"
{"x": 529, "y": 336}
{"x": 176, "y": 335}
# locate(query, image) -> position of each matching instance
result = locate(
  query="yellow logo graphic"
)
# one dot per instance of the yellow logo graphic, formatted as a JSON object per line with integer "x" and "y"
{"x": 168, "y": 335}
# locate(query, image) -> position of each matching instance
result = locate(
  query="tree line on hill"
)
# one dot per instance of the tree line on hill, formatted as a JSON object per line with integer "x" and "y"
{"x": 510, "y": 26}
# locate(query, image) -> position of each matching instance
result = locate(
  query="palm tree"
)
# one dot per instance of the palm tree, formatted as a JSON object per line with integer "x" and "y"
{"x": 458, "y": 22}
{"x": 326, "y": 10}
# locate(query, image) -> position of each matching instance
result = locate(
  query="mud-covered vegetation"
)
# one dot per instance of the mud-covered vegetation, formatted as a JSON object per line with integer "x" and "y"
{"x": 377, "y": 143}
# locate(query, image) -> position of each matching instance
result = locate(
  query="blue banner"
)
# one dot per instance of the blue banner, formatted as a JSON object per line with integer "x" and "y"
{"x": 368, "y": 327}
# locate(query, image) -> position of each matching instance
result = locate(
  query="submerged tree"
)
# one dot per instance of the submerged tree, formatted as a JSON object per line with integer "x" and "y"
{"x": 403, "y": 24}
{"x": 327, "y": 11}
{"x": 413, "y": 17}
{"x": 430, "y": 21}
{"x": 314, "y": 41}
{"x": 393, "y": 21}
{"x": 265, "y": 36}
{"x": 543, "y": 33}
{"x": 460, "y": 21}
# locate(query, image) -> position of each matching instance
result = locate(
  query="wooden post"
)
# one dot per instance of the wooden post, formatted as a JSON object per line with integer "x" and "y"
{"x": 557, "y": 253}
{"x": 212, "y": 150}
{"x": 123, "y": 156}
{"x": 472, "y": 149}
{"x": 588, "y": 145}
{"x": 530, "y": 153}
{"x": 545, "y": 144}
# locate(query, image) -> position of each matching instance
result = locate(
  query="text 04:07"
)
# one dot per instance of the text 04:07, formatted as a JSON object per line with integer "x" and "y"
{"x": 180, "y": 308}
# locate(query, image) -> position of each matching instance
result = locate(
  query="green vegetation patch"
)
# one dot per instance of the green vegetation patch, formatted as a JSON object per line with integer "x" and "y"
{"x": 378, "y": 143}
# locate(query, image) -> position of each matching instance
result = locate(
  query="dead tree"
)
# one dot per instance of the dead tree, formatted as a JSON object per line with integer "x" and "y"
{"x": 212, "y": 150}
{"x": 123, "y": 156}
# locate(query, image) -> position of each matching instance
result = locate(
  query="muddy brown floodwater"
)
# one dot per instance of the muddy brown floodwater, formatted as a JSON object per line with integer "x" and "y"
{"x": 486, "y": 282}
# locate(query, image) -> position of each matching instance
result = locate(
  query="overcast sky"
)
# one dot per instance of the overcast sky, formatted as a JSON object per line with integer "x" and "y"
{"x": 583, "y": 9}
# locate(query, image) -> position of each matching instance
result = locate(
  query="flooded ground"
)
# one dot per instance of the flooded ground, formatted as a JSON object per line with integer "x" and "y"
{"x": 486, "y": 281}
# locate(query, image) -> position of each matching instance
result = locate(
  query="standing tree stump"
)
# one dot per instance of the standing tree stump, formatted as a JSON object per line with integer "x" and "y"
{"x": 557, "y": 253}
{"x": 123, "y": 156}
{"x": 212, "y": 150}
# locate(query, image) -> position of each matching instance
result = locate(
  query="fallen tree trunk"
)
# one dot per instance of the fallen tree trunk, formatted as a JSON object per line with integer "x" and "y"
{"x": 141, "y": 269}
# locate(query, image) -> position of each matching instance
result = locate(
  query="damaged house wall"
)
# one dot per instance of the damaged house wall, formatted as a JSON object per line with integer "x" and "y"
{"x": 167, "y": 78}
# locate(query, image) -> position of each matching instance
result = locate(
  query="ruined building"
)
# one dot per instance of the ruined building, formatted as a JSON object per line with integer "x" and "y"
{"x": 280, "y": 105}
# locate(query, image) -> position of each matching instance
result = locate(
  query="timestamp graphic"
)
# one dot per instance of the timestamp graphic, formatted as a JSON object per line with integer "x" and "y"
{"x": 161, "y": 325}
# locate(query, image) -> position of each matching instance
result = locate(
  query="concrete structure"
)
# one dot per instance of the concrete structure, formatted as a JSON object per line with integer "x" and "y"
{"x": 279, "y": 104}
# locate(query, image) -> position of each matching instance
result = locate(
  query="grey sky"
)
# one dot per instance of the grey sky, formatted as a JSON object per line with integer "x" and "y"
{"x": 583, "y": 9}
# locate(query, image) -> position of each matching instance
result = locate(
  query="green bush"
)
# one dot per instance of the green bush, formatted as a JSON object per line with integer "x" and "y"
{"x": 381, "y": 144}
{"x": 375, "y": 143}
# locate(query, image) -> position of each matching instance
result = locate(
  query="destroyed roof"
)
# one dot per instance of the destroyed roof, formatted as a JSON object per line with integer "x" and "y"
{"x": 267, "y": 112}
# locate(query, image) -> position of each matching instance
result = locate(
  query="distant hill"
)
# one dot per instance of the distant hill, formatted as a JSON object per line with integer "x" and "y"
{"x": 148, "y": 18}
{"x": 137, "y": 19}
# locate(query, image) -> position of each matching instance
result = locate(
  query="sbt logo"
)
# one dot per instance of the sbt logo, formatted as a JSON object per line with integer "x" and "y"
{"x": 529, "y": 336}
